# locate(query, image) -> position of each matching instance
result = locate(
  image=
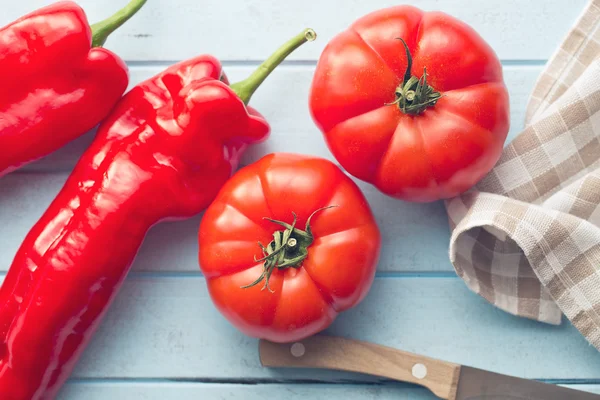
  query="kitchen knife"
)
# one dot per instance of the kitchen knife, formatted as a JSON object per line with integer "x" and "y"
{"x": 446, "y": 380}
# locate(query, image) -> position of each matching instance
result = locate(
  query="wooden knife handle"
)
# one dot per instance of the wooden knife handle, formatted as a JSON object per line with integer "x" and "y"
{"x": 352, "y": 355}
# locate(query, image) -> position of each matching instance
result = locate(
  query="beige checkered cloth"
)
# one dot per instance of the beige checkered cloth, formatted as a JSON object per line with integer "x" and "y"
{"x": 527, "y": 238}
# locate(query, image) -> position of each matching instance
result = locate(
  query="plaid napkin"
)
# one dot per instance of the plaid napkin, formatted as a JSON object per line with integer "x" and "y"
{"x": 527, "y": 237}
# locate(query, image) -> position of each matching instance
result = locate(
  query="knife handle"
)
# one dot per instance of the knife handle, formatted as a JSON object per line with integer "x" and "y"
{"x": 355, "y": 356}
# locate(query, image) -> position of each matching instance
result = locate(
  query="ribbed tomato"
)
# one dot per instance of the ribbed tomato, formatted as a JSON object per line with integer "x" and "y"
{"x": 279, "y": 283}
{"x": 413, "y": 102}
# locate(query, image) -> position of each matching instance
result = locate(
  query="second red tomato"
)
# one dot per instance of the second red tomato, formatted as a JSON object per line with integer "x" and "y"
{"x": 288, "y": 244}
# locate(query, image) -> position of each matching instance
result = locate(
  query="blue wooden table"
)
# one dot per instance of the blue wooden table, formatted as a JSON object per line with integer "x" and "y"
{"x": 163, "y": 339}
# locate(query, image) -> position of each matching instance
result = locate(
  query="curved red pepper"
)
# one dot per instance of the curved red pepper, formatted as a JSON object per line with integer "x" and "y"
{"x": 163, "y": 153}
{"x": 54, "y": 86}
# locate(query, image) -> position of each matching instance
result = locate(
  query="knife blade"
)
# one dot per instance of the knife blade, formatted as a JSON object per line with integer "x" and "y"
{"x": 477, "y": 384}
{"x": 446, "y": 380}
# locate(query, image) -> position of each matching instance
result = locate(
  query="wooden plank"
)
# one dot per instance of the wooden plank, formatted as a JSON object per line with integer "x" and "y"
{"x": 25, "y": 196}
{"x": 250, "y": 30}
{"x": 283, "y": 100}
{"x": 172, "y": 246}
{"x": 167, "y": 327}
{"x": 210, "y": 391}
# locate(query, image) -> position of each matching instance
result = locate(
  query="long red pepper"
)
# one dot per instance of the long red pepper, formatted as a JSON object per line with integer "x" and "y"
{"x": 54, "y": 86}
{"x": 163, "y": 153}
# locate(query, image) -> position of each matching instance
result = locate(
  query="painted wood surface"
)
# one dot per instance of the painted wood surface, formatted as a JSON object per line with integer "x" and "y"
{"x": 163, "y": 339}
{"x": 194, "y": 391}
{"x": 166, "y": 327}
{"x": 283, "y": 99}
{"x": 251, "y": 29}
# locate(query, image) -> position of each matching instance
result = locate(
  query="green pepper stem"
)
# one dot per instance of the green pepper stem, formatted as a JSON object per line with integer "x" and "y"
{"x": 246, "y": 88}
{"x": 101, "y": 30}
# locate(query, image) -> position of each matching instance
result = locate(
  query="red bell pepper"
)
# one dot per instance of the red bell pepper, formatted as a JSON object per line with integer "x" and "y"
{"x": 56, "y": 83}
{"x": 163, "y": 153}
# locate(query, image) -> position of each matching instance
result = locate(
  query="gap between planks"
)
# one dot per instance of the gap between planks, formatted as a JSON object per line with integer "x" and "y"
{"x": 137, "y": 274}
{"x": 269, "y": 381}
{"x": 301, "y": 63}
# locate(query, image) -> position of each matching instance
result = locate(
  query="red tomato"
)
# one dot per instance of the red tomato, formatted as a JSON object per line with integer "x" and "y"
{"x": 385, "y": 121}
{"x": 313, "y": 272}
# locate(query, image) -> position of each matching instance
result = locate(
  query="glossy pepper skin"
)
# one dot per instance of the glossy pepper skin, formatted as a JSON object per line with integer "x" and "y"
{"x": 54, "y": 86}
{"x": 163, "y": 153}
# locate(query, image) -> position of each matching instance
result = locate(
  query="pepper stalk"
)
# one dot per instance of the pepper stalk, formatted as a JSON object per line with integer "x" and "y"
{"x": 101, "y": 30}
{"x": 246, "y": 88}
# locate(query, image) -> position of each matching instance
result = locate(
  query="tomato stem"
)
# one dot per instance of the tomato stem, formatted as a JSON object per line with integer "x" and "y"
{"x": 414, "y": 95}
{"x": 409, "y": 60}
{"x": 288, "y": 249}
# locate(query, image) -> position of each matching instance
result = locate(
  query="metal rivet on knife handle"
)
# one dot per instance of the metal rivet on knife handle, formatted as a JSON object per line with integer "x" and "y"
{"x": 297, "y": 349}
{"x": 419, "y": 371}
